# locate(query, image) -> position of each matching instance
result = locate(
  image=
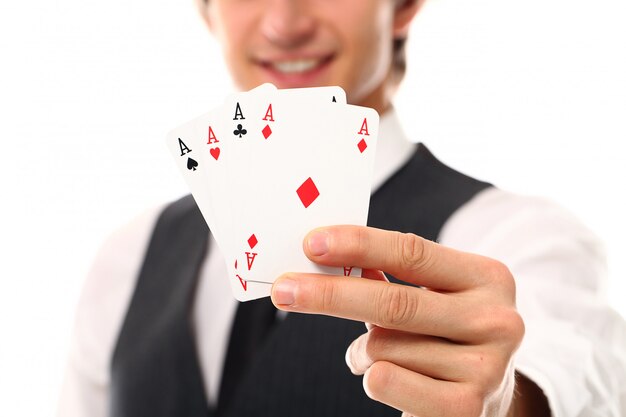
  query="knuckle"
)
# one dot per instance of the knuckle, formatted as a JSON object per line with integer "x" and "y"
{"x": 499, "y": 269}
{"x": 520, "y": 328}
{"x": 358, "y": 243}
{"x": 397, "y": 305}
{"x": 324, "y": 298}
{"x": 507, "y": 325}
{"x": 499, "y": 273}
{"x": 329, "y": 296}
{"x": 497, "y": 322}
{"x": 413, "y": 252}
{"x": 515, "y": 328}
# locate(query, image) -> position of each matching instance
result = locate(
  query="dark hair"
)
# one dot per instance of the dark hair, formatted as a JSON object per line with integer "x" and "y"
{"x": 399, "y": 60}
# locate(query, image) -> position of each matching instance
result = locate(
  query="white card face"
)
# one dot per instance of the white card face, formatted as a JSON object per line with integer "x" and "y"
{"x": 240, "y": 122}
{"x": 214, "y": 137}
{"x": 208, "y": 140}
{"x": 181, "y": 143}
{"x": 305, "y": 97}
{"x": 235, "y": 128}
{"x": 244, "y": 166}
{"x": 308, "y": 175}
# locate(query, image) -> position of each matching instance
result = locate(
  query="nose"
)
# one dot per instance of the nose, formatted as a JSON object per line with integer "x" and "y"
{"x": 288, "y": 23}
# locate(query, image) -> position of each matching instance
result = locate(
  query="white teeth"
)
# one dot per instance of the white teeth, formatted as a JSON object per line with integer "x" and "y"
{"x": 300, "y": 65}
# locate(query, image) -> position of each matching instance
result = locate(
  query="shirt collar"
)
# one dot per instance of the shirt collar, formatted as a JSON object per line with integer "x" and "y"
{"x": 393, "y": 149}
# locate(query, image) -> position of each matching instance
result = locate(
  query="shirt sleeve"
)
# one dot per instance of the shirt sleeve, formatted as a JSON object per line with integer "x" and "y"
{"x": 100, "y": 312}
{"x": 574, "y": 346}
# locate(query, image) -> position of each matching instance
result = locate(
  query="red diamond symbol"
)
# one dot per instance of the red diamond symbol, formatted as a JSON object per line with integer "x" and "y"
{"x": 252, "y": 241}
{"x": 307, "y": 192}
{"x": 362, "y": 145}
{"x": 267, "y": 131}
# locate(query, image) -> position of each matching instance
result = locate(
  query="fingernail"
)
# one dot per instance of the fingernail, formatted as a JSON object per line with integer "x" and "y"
{"x": 284, "y": 292}
{"x": 318, "y": 243}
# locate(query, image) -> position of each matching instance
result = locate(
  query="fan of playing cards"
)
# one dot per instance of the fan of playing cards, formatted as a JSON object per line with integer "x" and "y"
{"x": 270, "y": 165}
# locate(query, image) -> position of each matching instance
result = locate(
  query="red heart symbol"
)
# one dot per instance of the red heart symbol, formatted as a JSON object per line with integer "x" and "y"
{"x": 215, "y": 153}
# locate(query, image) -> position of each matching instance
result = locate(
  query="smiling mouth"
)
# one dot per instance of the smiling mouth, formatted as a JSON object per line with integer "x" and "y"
{"x": 296, "y": 66}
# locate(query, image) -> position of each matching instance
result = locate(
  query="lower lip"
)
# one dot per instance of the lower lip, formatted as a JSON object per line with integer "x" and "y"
{"x": 310, "y": 78}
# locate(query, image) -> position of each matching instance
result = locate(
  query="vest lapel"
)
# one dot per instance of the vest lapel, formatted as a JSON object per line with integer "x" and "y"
{"x": 155, "y": 371}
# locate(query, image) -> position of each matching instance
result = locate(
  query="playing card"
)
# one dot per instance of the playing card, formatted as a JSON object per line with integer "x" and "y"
{"x": 244, "y": 164}
{"x": 309, "y": 174}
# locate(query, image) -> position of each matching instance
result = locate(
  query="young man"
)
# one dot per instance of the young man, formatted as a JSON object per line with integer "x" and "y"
{"x": 443, "y": 345}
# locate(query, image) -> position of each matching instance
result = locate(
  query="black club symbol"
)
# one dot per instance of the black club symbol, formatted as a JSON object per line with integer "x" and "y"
{"x": 240, "y": 131}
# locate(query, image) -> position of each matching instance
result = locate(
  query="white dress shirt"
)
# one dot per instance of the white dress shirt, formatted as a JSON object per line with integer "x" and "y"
{"x": 574, "y": 348}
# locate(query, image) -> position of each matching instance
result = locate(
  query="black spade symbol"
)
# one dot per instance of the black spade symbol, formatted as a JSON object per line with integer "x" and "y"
{"x": 191, "y": 164}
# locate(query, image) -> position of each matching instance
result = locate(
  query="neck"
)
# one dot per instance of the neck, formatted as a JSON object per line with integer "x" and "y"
{"x": 379, "y": 99}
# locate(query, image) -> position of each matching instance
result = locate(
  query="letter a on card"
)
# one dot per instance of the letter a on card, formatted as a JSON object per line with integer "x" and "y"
{"x": 250, "y": 257}
{"x": 212, "y": 138}
{"x": 364, "y": 130}
{"x": 269, "y": 114}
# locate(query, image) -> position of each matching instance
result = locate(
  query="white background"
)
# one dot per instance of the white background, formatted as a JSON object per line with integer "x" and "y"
{"x": 530, "y": 95}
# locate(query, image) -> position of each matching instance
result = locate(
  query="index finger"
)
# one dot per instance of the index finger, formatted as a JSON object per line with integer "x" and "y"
{"x": 388, "y": 305}
{"x": 404, "y": 255}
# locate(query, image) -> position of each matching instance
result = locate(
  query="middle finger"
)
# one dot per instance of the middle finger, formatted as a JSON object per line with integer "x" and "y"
{"x": 431, "y": 356}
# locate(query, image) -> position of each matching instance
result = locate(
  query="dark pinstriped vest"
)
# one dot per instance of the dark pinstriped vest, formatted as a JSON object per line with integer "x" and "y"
{"x": 299, "y": 370}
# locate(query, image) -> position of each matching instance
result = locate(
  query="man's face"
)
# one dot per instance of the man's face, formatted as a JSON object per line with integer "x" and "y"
{"x": 307, "y": 43}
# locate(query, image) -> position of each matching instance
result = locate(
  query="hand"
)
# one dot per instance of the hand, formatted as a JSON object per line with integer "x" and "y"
{"x": 441, "y": 350}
